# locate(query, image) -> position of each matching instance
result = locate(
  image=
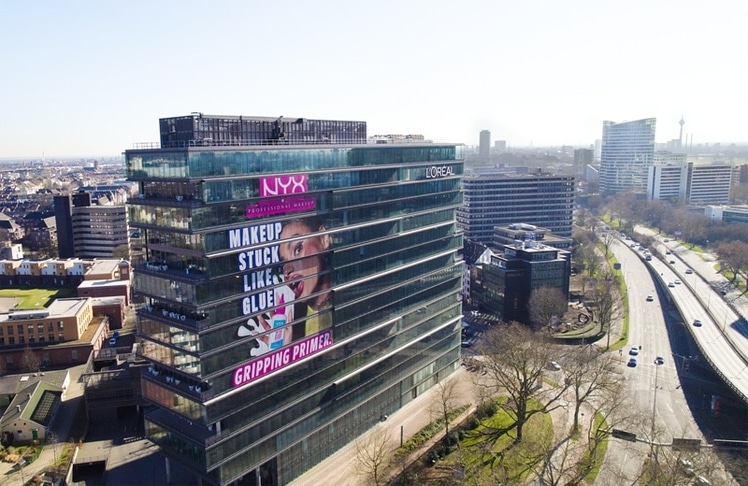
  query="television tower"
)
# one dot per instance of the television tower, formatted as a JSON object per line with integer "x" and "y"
{"x": 680, "y": 137}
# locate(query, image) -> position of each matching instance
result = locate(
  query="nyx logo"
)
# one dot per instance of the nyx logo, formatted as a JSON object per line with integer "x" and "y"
{"x": 283, "y": 185}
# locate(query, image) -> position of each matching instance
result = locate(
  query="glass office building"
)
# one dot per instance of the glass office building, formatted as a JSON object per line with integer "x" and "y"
{"x": 294, "y": 293}
{"x": 627, "y": 153}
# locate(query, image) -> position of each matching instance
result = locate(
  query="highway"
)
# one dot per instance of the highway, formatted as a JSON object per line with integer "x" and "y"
{"x": 723, "y": 336}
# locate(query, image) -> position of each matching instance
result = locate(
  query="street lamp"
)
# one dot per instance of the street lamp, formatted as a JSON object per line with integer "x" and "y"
{"x": 654, "y": 408}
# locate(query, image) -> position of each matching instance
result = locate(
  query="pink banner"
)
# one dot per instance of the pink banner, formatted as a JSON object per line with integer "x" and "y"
{"x": 278, "y": 206}
{"x": 281, "y": 358}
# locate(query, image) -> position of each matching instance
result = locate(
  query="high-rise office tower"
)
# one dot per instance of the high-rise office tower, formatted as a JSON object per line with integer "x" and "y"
{"x": 627, "y": 153}
{"x": 87, "y": 230}
{"x": 497, "y": 198}
{"x": 300, "y": 284}
{"x": 484, "y": 149}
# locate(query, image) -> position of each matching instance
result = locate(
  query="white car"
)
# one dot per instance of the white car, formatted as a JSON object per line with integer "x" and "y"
{"x": 689, "y": 271}
{"x": 676, "y": 282}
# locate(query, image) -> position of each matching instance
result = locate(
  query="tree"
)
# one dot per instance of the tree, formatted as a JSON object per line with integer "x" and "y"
{"x": 607, "y": 240}
{"x": 445, "y": 399}
{"x": 121, "y": 251}
{"x": 546, "y": 302}
{"x": 514, "y": 359}
{"x": 590, "y": 374}
{"x": 372, "y": 450}
{"x": 734, "y": 256}
{"x": 590, "y": 259}
{"x": 30, "y": 361}
{"x": 606, "y": 301}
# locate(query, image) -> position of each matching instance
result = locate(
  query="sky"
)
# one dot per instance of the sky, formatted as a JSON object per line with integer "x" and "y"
{"x": 93, "y": 78}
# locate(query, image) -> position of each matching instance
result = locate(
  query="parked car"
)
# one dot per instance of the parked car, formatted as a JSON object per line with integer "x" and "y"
{"x": 632, "y": 363}
{"x": 634, "y": 351}
{"x": 554, "y": 366}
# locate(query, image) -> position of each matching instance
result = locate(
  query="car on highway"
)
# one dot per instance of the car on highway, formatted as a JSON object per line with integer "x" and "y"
{"x": 671, "y": 284}
{"x": 650, "y": 298}
{"x": 697, "y": 323}
{"x": 665, "y": 240}
{"x": 634, "y": 351}
{"x": 672, "y": 262}
{"x": 668, "y": 252}
{"x": 689, "y": 271}
{"x": 632, "y": 363}
{"x": 676, "y": 282}
{"x": 659, "y": 360}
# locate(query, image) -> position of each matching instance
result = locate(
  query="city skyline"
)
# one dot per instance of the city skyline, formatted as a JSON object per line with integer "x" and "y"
{"x": 91, "y": 80}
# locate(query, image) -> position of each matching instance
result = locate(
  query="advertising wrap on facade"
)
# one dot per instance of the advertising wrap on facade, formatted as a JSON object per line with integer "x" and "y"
{"x": 281, "y": 358}
{"x": 286, "y": 284}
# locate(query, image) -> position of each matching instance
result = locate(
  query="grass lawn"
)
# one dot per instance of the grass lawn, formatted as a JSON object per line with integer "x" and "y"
{"x": 36, "y": 298}
{"x": 492, "y": 457}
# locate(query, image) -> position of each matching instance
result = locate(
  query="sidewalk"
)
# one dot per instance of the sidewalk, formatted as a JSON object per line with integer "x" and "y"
{"x": 341, "y": 468}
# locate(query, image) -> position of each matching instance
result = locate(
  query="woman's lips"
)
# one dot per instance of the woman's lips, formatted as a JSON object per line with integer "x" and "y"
{"x": 297, "y": 287}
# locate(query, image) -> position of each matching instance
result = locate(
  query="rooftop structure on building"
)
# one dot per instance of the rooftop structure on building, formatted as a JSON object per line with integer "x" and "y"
{"x": 299, "y": 284}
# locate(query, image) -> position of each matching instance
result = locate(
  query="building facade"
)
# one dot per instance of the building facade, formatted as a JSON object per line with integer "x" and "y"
{"x": 484, "y": 147}
{"x": 87, "y": 230}
{"x": 295, "y": 294}
{"x": 709, "y": 184}
{"x": 626, "y": 155}
{"x": 496, "y": 199}
{"x": 507, "y": 282}
{"x": 667, "y": 182}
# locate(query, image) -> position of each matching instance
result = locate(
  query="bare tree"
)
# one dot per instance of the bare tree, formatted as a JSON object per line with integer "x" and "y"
{"x": 607, "y": 240}
{"x": 590, "y": 375}
{"x": 605, "y": 299}
{"x": 30, "y": 361}
{"x": 590, "y": 259}
{"x": 544, "y": 303}
{"x": 514, "y": 359}
{"x": 445, "y": 399}
{"x": 372, "y": 451}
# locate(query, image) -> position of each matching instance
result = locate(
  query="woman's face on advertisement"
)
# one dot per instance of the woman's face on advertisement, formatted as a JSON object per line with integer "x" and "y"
{"x": 302, "y": 257}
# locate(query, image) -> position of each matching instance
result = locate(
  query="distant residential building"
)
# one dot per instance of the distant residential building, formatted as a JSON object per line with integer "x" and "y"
{"x": 496, "y": 198}
{"x": 11, "y": 251}
{"x": 626, "y": 155}
{"x": 499, "y": 146}
{"x": 53, "y": 272}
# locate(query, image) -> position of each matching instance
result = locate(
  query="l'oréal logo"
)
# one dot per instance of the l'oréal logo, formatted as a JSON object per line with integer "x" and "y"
{"x": 284, "y": 185}
{"x": 435, "y": 172}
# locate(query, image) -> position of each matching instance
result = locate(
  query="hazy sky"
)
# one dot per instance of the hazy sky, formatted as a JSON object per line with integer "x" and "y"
{"x": 93, "y": 77}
